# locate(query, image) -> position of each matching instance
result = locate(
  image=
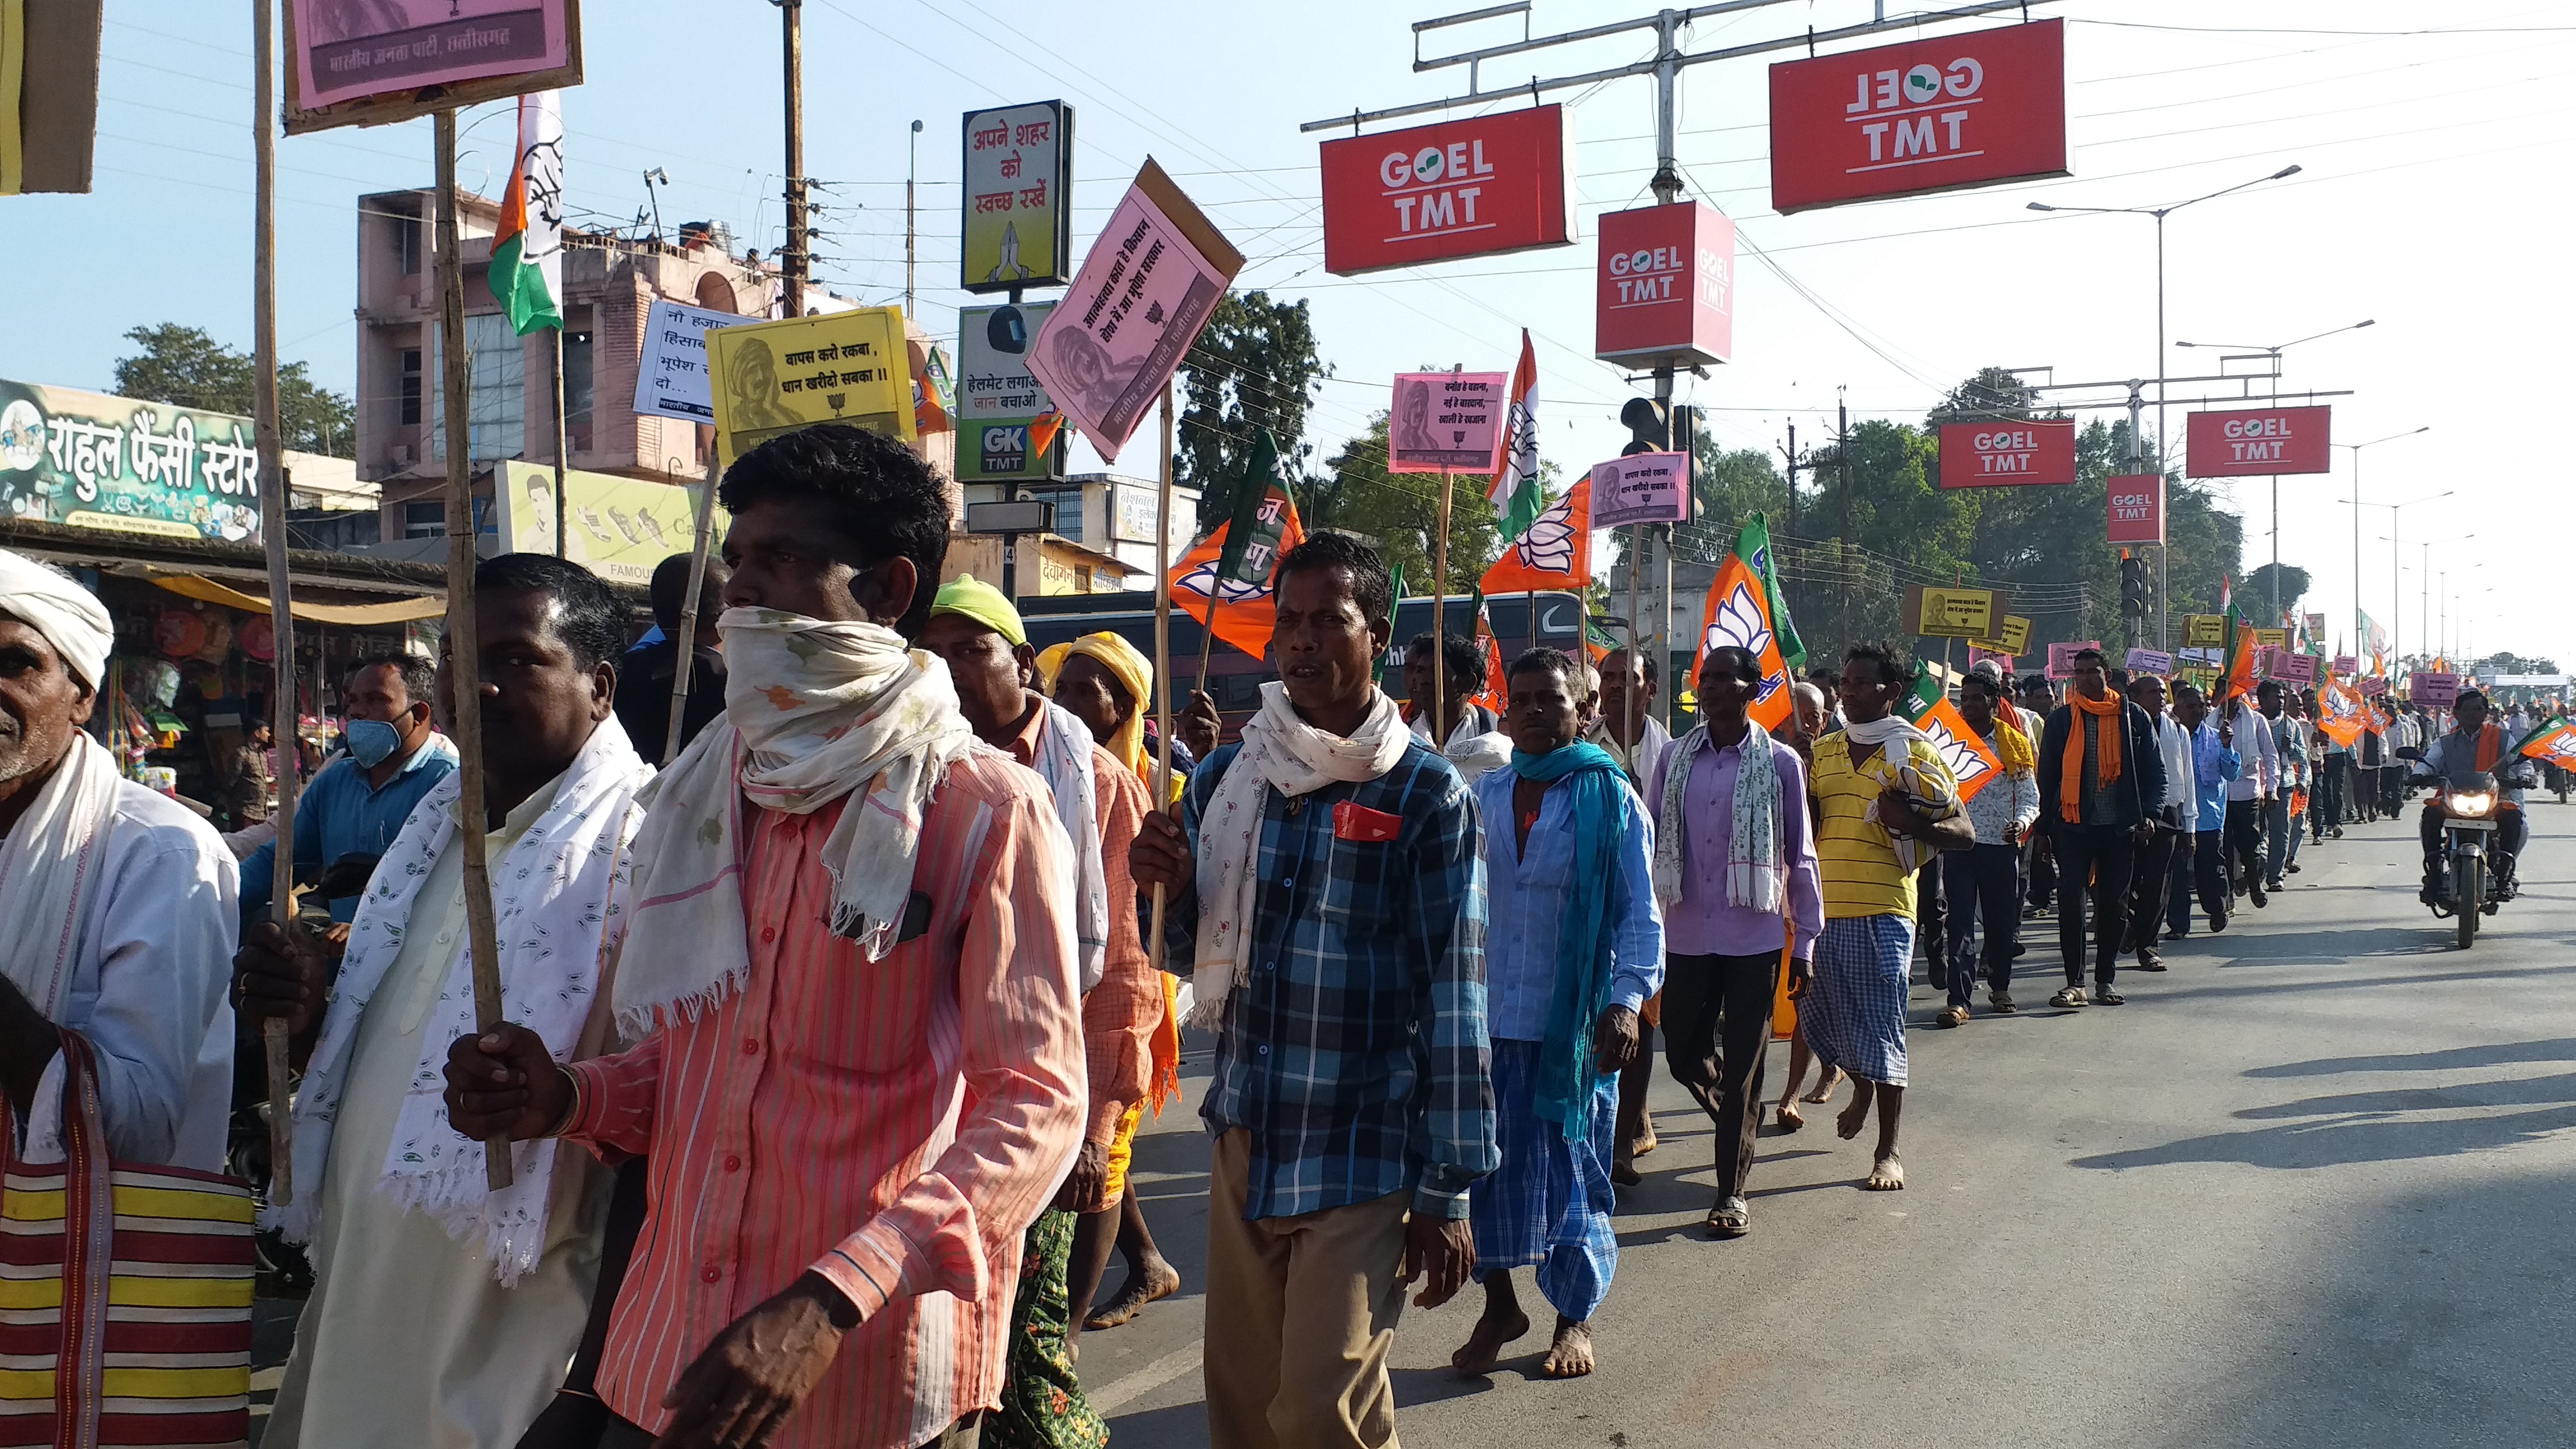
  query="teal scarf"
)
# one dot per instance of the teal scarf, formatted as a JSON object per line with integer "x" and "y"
{"x": 1566, "y": 1076}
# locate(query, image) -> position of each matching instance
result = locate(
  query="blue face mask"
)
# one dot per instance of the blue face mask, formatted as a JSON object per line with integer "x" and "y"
{"x": 372, "y": 741}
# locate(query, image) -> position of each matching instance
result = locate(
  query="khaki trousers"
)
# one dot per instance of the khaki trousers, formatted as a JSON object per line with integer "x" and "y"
{"x": 1300, "y": 1314}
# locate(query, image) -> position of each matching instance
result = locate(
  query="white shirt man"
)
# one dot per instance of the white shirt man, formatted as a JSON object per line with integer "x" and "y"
{"x": 118, "y": 903}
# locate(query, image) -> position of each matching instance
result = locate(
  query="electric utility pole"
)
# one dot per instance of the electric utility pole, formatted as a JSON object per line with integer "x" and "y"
{"x": 795, "y": 261}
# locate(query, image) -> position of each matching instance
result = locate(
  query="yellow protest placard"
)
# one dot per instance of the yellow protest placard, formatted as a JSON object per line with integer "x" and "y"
{"x": 775, "y": 377}
{"x": 2013, "y": 641}
{"x": 2204, "y": 631}
{"x": 1954, "y": 613}
{"x": 2272, "y": 638}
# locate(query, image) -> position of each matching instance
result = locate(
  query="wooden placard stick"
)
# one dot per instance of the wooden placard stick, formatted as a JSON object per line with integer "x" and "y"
{"x": 687, "y": 643}
{"x": 281, "y": 619}
{"x": 464, "y": 672}
{"x": 1163, "y": 658}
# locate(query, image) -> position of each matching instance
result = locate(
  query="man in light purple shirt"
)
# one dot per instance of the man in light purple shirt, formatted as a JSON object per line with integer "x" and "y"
{"x": 1730, "y": 913}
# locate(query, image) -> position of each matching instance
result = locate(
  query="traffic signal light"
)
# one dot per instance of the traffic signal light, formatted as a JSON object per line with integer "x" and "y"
{"x": 1649, "y": 424}
{"x": 2133, "y": 586}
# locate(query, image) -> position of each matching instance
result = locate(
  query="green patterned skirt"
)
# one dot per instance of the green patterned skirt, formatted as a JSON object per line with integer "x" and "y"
{"x": 1042, "y": 1402}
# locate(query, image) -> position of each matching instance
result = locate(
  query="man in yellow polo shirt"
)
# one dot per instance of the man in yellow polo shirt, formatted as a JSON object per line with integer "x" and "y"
{"x": 1885, "y": 804}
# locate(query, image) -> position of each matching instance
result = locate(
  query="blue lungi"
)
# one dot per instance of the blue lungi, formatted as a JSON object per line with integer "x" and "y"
{"x": 1854, "y": 1014}
{"x": 1549, "y": 1202}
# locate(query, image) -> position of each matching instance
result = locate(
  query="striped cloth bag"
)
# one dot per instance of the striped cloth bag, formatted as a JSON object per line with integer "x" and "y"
{"x": 125, "y": 1293}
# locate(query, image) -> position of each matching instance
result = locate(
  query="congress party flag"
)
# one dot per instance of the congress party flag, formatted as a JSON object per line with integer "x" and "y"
{"x": 1514, "y": 491}
{"x": 1753, "y": 545}
{"x": 527, "y": 252}
{"x": 1738, "y": 612}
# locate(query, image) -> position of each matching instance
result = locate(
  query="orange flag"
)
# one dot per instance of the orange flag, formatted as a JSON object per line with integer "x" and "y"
{"x": 2341, "y": 716}
{"x": 1556, "y": 553}
{"x": 1738, "y": 612}
{"x": 1973, "y": 762}
{"x": 1244, "y": 610}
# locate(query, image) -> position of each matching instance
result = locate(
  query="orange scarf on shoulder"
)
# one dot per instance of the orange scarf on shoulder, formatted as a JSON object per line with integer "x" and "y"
{"x": 2106, "y": 749}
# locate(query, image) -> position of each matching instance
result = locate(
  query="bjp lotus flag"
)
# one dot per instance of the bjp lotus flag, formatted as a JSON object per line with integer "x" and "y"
{"x": 1738, "y": 612}
{"x": 2341, "y": 715}
{"x": 1239, "y": 600}
{"x": 2554, "y": 742}
{"x": 1973, "y": 762}
{"x": 1555, "y": 553}
{"x": 1498, "y": 690}
{"x": 2237, "y": 676}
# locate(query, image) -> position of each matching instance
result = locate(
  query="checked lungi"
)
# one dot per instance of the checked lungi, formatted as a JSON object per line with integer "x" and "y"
{"x": 1854, "y": 1013}
{"x": 1549, "y": 1202}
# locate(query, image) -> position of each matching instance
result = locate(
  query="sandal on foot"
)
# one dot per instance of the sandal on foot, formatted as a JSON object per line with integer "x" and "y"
{"x": 2071, "y": 996}
{"x": 2105, "y": 996}
{"x": 1951, "y": 1016}
{"x": 2001, "y": 1003}
{"x": 1731, "y": 1218}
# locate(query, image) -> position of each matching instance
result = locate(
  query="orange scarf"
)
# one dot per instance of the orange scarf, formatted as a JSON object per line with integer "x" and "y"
{"x": 2490, "y": 747}
{"x": 2106, "y": 750}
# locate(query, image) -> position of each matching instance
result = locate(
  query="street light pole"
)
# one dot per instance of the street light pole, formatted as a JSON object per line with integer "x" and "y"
{"x": 2164, "y": 608}
{"x": 2355, "y": 449}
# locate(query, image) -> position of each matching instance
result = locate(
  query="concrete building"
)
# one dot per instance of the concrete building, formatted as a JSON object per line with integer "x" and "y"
{"x": 1108, "y": 515}
{"x": 609, "y": 284}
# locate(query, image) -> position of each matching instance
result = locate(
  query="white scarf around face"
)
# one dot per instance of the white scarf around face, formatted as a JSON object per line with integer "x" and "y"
{"x": 558, "y": 901}
{"x": 1284, "y": 753}
{"x": 814, "y": 711}
{"x": 49, "y": 866}
{"x": 1064, "y": 762}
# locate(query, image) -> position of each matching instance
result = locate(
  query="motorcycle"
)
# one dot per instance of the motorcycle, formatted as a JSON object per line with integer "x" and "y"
{"x": 2466, "y": 891}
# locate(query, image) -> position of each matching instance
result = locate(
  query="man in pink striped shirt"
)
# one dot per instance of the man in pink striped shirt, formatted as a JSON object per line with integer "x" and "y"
{"x": 851, "y": 969}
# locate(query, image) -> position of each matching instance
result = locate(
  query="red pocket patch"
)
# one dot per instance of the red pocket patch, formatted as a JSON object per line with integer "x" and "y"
{"x": 1358, "y": 822}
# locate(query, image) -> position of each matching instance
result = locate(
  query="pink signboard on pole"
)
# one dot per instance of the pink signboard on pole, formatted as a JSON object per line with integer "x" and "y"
{"x": 2433, "y": 689}
{"x": 1641, "y": 488}
{"x": 1446, "y": 422}
{"x": 345, "y": 52}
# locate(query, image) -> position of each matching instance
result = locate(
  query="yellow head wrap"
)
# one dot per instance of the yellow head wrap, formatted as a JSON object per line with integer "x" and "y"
{"x": 981, "y": 602}
{"x": 1050, "y": 662}
{"x": 1135, "y": 674}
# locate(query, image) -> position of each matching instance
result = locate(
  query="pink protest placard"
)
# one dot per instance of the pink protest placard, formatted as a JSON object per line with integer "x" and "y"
{"x": 1152, "y": 280}
{"x": 1447, "y": 422}
{"x": 1641, "y": 488}
{"x": 2293, "y": 668}
{"x": 2061, "y": 657}
{"x": 345, "y": 52}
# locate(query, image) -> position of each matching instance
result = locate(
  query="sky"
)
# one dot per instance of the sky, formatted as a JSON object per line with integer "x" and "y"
{"x": 2431, "y": 200}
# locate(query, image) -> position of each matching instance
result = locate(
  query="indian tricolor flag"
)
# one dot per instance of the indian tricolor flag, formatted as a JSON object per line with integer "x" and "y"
{"x": 527, "y": 252}
{"x": 1514, "y": 490}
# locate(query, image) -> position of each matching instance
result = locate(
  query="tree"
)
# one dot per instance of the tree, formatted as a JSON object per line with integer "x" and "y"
{"x": 2509, "y": 663}
{"x": 1254, "y": 366}
{"x": 1401, "y": 512}
{"x": 184, "y": 367}
{"x": 2254, "y": 591}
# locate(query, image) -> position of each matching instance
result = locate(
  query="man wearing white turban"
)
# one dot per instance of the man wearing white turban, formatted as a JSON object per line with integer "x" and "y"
{"x": 118, "y": 902}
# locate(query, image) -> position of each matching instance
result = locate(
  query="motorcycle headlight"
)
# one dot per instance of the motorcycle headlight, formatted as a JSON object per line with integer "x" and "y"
{"x": 2473, "y": 803}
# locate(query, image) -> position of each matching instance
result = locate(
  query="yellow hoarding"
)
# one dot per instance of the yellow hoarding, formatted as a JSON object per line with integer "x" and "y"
{"x": 2014, "y": 641}
{"x": 620, "y": 528}
{"x": 775, "y": 377}
{"x": 2204, "y": 631}
{"x": 1954, "y": 613}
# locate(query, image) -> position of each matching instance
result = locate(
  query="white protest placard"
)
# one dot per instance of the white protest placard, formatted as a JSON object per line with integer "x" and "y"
{"x": 671, "y": 379}
{"x": 1641, "y": 488}
{"x": 1150, "y": 283}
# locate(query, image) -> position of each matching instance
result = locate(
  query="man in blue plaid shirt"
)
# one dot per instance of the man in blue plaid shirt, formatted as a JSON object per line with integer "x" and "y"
{"x": 1325, "y": 879}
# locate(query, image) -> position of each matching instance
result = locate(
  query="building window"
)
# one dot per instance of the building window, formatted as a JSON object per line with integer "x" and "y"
{"x": 425, "y": 520}
{"x": 410, "y": 387}
{"x": 407, "y": 243}
{"x": 1068, "y": 510}
{"x": 496, "y": 392}
{"x": 576, "y": 366}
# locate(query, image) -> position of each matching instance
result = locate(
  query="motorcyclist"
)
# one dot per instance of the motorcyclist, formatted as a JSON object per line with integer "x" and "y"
{"x": 2476, "y": 745}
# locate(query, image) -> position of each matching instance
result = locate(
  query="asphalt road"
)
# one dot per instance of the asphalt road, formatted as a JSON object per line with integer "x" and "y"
{"x": 2309, "y": 1187}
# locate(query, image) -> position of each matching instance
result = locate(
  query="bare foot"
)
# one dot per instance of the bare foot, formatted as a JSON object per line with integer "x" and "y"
{"x": 1155, "y": 1281}
{"x": 1484, "y": 1347}
{"x": 1790, "y": 1118}
{"x": 1886, "y": 1175}
{"x": 1825, "y": 1089}
{"x": 1848, "y": 1123}
{"x": 1570, "y": 1357}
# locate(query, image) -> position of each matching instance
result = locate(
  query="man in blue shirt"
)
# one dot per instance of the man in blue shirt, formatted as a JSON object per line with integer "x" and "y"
{"x": 351, "y": 811}
{"x": 1324, "y": 878}
{"x": 1574, "y": 949}
{"x": 2214, "y": 763}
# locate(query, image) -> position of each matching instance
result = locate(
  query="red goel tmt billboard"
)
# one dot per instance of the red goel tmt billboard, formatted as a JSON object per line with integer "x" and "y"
{"x": 2261, "y": 442}
{"x": 1927, "y": 115}
{"x": 1467, "y": 188}
{"x": 2002, "y": 454}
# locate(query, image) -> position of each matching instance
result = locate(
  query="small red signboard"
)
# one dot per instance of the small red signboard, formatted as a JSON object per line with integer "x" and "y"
{"x": 2261, "y": 442}
{"x": 1988, "y": 455}
{"x": 2137, "y": 508}
{"x": 1667, "y": 286}
{"x": 1925, "y": 115}
{"x": 1466, "y": 188}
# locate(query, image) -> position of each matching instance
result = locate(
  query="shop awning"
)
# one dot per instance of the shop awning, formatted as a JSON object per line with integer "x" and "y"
{"x": 356, "y": 616}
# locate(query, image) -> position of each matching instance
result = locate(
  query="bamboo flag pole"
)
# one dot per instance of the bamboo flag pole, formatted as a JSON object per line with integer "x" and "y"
{"x": 272, "y": 520}
{"x": 464, "y": 671}
{"x": 1439, "y": 635}
{"x": 687, "y": 643}
{"x": 1163, "y": 657}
